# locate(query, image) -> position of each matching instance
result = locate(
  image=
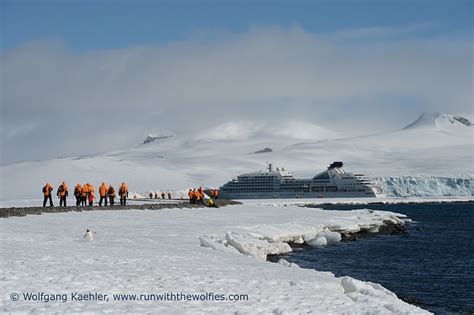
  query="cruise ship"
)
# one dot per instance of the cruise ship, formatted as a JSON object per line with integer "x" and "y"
{"x": 335, "y": 182}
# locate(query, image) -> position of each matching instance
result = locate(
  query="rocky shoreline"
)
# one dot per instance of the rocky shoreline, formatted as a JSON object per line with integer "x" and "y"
{"x": 24, "y": 211}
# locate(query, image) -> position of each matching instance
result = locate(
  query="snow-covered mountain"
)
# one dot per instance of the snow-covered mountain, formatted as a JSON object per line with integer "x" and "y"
{"x": 436, "y": 145}
{"x": 439, "y": 121}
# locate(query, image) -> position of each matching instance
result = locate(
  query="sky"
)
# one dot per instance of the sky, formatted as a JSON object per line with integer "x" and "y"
{"x": 82, "y": 77}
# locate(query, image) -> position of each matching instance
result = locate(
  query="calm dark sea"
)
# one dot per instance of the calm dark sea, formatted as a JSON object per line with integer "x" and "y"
{"x": 433, "y": 265}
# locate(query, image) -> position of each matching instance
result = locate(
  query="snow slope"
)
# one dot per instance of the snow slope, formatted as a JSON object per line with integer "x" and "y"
{"x": 431, "y": 145}
{"x": 144, "y": 252}
{"x": 436, "y": 145}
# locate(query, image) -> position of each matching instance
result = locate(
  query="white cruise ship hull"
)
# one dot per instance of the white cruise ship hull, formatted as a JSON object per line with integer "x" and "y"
{"x": 290, "y": 195}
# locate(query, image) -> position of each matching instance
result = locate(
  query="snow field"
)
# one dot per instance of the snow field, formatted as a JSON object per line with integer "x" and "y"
{"x": 186, "y": 250}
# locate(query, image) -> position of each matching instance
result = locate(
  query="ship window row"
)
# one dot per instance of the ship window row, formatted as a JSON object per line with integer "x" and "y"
{"x": 253, "y": 184}
{"x": 256, "y": 181}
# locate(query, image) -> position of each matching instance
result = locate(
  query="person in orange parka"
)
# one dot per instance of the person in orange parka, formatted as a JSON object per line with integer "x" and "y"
{"x": 196, "y": 195}
{"x": 192, "y": 199}
{"x": 103, "y": 194}
{"x": 78, "y": 194}
{"x": 111, "y": 194}
{"x": 90, "y": 195}
{"x": 47, "y": 189}
{"x": 62, "y": 194}
{"x": 123, "y": 192}
{"x": 200, "y": 194}
{"x": 84, "y": 192}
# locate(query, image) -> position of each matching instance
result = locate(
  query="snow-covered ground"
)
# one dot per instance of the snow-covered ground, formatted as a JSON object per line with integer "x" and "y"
{"x": 185, "y": 251}
{"x": 433, "y": 147}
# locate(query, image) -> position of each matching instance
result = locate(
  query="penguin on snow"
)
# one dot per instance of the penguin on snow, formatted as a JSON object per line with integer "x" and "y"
{"x": 89, "y": 236}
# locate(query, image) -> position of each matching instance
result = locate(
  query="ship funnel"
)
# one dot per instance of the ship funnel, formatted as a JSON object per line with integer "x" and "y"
{"x": 270, "y": 167}
{"x": 335, "y": 165}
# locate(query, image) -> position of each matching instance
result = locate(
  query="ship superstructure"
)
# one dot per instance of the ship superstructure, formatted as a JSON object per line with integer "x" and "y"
{"x": 335, "y": 182}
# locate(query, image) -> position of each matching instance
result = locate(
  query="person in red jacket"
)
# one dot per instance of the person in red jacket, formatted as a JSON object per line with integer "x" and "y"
{"x": 90, "y": 194}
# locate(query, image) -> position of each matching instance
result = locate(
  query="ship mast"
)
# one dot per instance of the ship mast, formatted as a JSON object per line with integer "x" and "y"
{"x": 269, "y": 167}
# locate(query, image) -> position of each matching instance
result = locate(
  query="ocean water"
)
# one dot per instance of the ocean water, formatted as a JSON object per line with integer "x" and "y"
{"x": 433, "y": 265}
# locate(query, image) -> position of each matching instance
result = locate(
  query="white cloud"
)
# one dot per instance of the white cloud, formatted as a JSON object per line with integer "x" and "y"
{"x": 75, "y": 103}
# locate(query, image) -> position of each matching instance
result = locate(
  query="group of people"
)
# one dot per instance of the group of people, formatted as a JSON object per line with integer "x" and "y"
{"x": 85, "y": 194}
{"x": 214, "y": 193}
{"x": 155, "y": 195}
{"x": 196, "y": 196}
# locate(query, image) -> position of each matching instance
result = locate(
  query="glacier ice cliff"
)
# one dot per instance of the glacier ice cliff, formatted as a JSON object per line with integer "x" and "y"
{"x": 425, "y": 186}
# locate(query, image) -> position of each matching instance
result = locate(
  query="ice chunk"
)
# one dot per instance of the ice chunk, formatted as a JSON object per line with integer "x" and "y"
{"x": 211, "y": 242}
{"x": 351, "y": 285}
{"x": 332, "y": 237}
{"x": 318, "y": 241}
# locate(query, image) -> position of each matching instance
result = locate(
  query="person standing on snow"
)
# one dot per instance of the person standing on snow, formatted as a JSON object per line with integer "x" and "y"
{"x": 111, "y": 194}
{"x": 47, "y": 189}
{"x": 103, "y": 194}
{"x": 78, "y": 194}
{"x": 200, "y": 195}
{"x": 84, "y": 192}
{"x": 191, "y": 196}
{"x": 123, "y": 192}
{"x": 196, "y": 195}
{"x": 90, "y": 195}
{"x": 62, "y": 194}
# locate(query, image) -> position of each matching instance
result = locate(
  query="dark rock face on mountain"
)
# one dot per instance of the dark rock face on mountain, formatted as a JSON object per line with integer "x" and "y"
{"x": 266, "y": 150}
{"x": 463, "y": 120}
{"x": 156, "y": 137}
